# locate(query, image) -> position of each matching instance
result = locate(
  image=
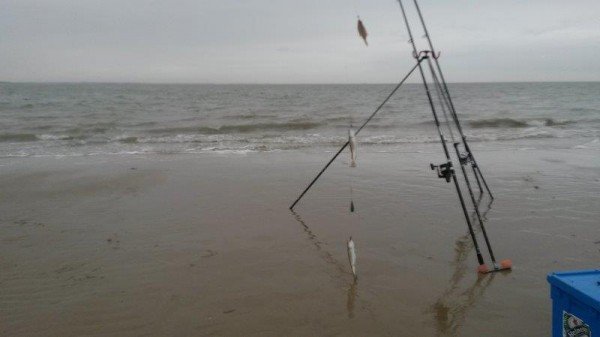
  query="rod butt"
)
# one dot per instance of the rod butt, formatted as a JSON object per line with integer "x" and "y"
{"x": 506, "y": 264}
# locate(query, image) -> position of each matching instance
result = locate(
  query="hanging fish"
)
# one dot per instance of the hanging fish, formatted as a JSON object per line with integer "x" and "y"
{"x": 362, "y": 31}
{"x": 352, "y": 257}
{"x": 353, "y": 145}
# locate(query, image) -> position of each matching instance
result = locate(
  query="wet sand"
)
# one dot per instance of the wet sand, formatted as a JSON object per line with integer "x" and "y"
{"x": 204, "y": 245}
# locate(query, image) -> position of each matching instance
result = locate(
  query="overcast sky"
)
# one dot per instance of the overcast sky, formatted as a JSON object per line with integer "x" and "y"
{"x": 294, "y": 41}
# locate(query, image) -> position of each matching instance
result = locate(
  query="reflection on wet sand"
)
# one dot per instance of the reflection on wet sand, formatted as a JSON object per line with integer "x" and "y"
{"x": 351, "y": 299}
{"x": 463, "y": 246}
{"x": 451, "y": 308}
{"x": 328, "y": 257}
{"x": 487, "y": 209}
{"x": 325, "y": 255}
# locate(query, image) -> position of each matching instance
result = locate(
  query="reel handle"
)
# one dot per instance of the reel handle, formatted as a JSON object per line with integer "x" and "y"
{"x": 444, "y": 171}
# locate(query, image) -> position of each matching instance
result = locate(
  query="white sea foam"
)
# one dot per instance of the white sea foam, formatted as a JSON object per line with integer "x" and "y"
{"x": 594, "y": 144}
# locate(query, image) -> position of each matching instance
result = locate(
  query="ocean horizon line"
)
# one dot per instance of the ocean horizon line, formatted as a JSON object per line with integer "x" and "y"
{"x": 276, "y": 83}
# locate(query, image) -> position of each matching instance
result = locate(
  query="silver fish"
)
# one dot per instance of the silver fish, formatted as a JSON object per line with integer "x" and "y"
{"x": 352, "y": 257}
{"x": 353, "y": 147}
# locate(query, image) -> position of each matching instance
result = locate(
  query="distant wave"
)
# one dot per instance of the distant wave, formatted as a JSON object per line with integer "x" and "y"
{"x": 241, "y": 128}
{"x": 18, "y": 137}
{"x": 30, "y": 137}
{"x": 343, "y": 119}
{"x": 250, "y": 116}
{"x": 129, "y": 140}
{"x": 59, "y": 137}
{"x": 593, "y": 144}
{"x": 498, "y": 123}
{"x": 579, "y": 109}
{"x": 551, "y": 122}
{"x": 514, "y": 123}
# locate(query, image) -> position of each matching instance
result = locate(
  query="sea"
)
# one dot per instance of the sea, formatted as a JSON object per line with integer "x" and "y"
{"x": 87, "y": 119}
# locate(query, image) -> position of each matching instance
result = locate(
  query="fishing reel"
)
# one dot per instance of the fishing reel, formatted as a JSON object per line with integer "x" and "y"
{"x": 465, "y": 157}
{"x": 444, "y": 171}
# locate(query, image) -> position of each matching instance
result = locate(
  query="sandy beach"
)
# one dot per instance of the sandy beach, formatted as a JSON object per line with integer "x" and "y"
{"x": 205, "y": 245}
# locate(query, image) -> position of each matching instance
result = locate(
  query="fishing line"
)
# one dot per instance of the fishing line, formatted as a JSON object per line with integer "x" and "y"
{"x": 351, "y": 175}
{"x": 355, "y": 5}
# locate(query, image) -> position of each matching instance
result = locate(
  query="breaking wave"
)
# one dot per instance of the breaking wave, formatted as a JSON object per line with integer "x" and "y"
{"x": 240, "y": 128}
{"x": 129, "y": 140}
{"x": 30, "y": 137}
{"x": 515, "y": 123}
{"x": 18, "y": 137}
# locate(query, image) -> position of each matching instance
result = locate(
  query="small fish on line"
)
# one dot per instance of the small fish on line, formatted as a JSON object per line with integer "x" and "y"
{"x": 362, "y": 31}
{"x": 352, "y": 257}
{"x": 353, "y": 147}
{"x": 351, "y": 200}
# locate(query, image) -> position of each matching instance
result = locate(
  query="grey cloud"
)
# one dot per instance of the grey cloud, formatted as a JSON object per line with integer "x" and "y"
{"x": 260, "y": 41}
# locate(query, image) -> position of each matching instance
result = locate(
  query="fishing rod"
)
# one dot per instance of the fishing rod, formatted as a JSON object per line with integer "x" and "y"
{"x": 444, "y": 170}
{"x": 465, "y": 159}
{"x": 419, "y": 60}
{"x": 443, "y": 101}
{"x": 505, "y": 264}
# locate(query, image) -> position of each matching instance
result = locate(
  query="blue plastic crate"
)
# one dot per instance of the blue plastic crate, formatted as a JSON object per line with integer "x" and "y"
{"x": 575, "y": 303}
